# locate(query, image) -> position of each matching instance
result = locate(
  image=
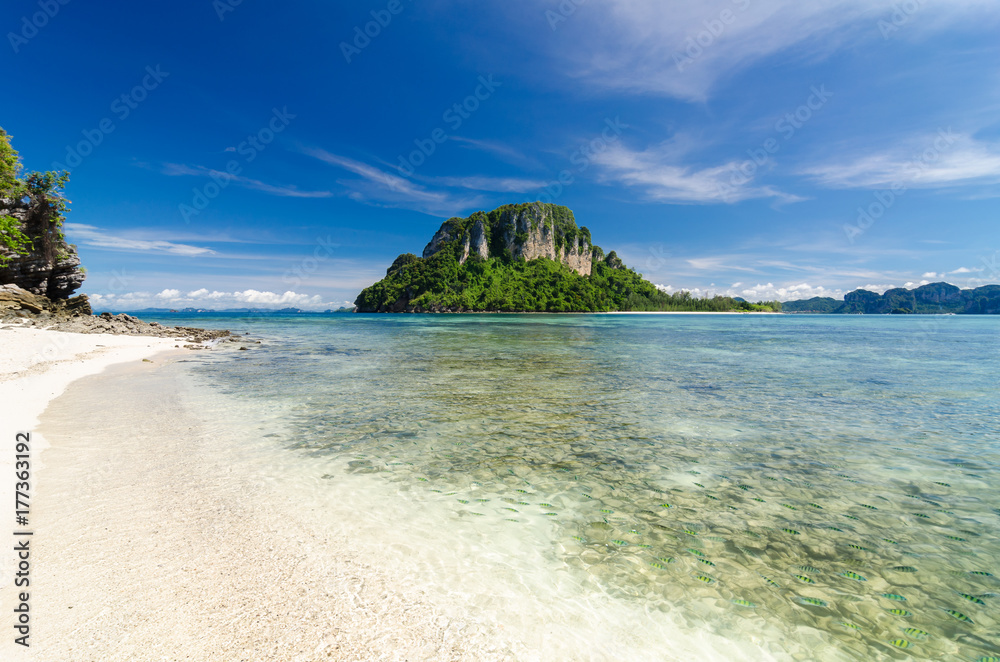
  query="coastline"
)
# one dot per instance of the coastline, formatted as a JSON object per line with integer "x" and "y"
{"x": 167, "y": 526}
{"x": 36, "y": 367}
{"x": 690, "y": 312}
{"x": 155, "y": 540}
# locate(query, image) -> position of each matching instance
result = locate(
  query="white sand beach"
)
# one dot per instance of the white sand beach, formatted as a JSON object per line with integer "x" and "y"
{"x": 146, "y": 546}
{"x": 36, "y": 366}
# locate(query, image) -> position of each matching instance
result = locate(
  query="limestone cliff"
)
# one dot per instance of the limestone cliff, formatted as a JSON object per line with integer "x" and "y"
{"x": 529, "y": 257}
{"x": 39, "y": 277}
{"x": 525, "y": 231}
{"x": 49, "y": 267}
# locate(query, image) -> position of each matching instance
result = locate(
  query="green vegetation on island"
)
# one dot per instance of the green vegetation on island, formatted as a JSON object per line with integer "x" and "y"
{"x": 524, "y": 258}
{"x": 930, "y": 299}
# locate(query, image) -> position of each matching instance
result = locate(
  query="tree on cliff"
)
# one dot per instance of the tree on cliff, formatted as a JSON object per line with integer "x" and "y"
{"x": 41, "y": 193}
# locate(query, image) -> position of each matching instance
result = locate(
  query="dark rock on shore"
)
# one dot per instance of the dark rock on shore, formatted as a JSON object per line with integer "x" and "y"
{"x": 14, "y": 298}
{"x": 51, "y": 268}
{"x": 132, "y": 326}
{"x": 75, "y": 316}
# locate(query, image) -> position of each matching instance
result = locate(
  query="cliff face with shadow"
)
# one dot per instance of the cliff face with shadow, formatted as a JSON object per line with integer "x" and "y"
{"x": 529, "y": 257}
{"x": 49, "y": 266}
{"x": 39, "y": 277}
{"x": 526, "y": 231}
{"x": 39, "y": 270}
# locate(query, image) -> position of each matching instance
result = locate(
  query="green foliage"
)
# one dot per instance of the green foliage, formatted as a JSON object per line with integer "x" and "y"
{"x": 930, "y": 299}
{"x": 813, "y": 305}
{"x": 400, "y": 262}
{"x": 12, "y": 237}
{"x": 500, "y": 283}
{"x": 542, "y": 285}
{"x": 10, "y": 167}
{"x": 41, "y": 191}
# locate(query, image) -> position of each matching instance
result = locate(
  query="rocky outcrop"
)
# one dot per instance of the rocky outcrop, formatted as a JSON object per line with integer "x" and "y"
{"x": 18, "y": 302}
{"x": 474, "y": 238}
{"x": 123, "y": 324}
{"x": 526, "y": 231}
{"x": 50, "y": 267}
{"x": 18, "y": 306}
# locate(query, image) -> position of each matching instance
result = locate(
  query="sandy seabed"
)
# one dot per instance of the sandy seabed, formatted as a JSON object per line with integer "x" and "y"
{"x": 164, "y": 528}
{"x": 152, "y": 542}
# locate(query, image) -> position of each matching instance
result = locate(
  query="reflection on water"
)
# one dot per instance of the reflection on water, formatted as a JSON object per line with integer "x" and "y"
{"x": 829, "y": 481}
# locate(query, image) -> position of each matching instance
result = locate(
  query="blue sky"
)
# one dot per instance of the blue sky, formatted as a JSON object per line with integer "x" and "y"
{"x": 229, "y": 153}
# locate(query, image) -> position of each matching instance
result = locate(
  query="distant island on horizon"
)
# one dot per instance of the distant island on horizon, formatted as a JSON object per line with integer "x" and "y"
{"x": 529, "y": 257}
{"x": 532, "y": 257}
{"x": 931, "y": 299}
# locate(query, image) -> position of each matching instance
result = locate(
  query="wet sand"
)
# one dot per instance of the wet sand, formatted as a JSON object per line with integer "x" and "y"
{"x": 153, "y": 542}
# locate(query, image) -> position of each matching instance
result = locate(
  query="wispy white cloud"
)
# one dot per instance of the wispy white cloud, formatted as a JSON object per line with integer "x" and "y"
{"x": 684, "y": 49}
{"x": 500, "y": 150}
{"x": 937, "y": 160}
{"x": 382, "y": 188}
{"x": 177, "y": 169}
{"x": 660, "y": 173}
{"x": 718, "y": 263}
{"x": 498, "y": 184}
{"x": 89, "y": 235}
{"x": 430, "y": 195}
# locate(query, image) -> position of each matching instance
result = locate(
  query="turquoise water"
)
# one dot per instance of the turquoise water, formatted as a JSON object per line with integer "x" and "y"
{"x": 809, "y": 487}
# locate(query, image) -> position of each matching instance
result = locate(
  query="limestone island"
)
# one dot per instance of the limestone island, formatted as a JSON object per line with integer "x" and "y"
{"x": 528, "y": 257}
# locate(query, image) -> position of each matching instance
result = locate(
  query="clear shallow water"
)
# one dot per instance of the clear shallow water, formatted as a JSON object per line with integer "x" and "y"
{"x": 807, "y": 487}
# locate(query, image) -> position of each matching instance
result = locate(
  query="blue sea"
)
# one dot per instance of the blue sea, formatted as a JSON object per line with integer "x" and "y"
{"x": 739, "y": 487}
